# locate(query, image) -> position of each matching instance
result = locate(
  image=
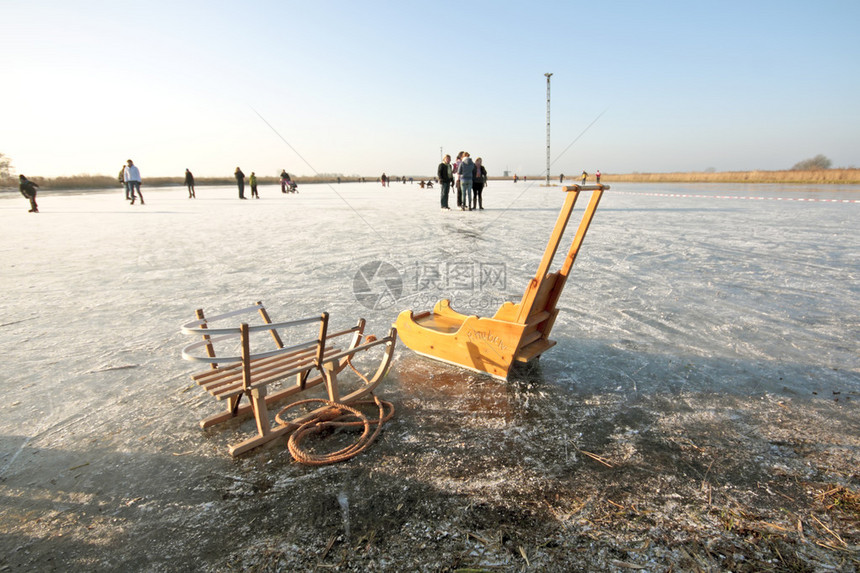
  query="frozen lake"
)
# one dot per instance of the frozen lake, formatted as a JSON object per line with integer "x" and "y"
{"x": 756, "y": 294}
{"x": 678, "y": 288}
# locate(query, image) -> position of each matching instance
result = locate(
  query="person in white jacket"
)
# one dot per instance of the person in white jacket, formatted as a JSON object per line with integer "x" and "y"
{"x": 132, "y": 178}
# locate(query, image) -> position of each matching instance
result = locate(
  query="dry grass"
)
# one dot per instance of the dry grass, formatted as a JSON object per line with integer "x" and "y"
{"x": 87, "y": 181}
{"x": 823, "y": 176}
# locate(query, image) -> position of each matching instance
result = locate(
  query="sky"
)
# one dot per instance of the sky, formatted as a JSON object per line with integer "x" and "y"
{"x": 362, "y": 87}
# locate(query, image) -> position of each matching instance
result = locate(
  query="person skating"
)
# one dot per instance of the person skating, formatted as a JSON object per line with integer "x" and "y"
{"x": 28, "y": 190}
{"x": 133, "y": 180}
{"x": 252, "y": 180}
{"x": 121, "y": 179}
{"x": 189, "y": 182}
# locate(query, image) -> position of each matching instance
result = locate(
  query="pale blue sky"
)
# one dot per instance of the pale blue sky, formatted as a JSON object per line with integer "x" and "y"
{"x": 366, "y": 87}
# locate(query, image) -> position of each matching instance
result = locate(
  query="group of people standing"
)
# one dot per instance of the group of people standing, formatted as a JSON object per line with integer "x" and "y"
{"x": 468, "y": 179}
{"x": 287, "y": 184}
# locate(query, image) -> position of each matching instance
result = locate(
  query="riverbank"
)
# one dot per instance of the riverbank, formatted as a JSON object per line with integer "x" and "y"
{"x": 823, "y": 176}
{"x": 89, "y": 182}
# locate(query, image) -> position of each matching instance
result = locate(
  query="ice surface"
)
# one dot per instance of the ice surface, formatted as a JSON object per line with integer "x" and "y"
{"x": 669, "y": 294}
{"x": 752, "y": 294}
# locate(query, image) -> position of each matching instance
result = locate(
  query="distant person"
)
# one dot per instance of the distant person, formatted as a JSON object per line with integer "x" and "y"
{"x": 561, "y": 178}
{"x": 597, "y": 176}
{"x": 132, "y": 178}
{"x": 516, "y": 178}
{"x": 240, "y": 182}
{"x": 189, "y": 182}
{"x": 121, "y": 179}
{"x": 286, "y": 182}
{"x": 384, "y": 179}
{"x": 478, "y": 185}
{"x": 457, "y": 185}
{"x": 28, "y": 190}
{"x": 445, "y": 174}
{"x": 467, "y": 174}
{"x": 584, "y": 177}
{"x": 252, "y": 181}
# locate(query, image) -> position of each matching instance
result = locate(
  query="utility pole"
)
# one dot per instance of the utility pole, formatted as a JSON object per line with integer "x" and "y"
{"x": 547, "y": 128}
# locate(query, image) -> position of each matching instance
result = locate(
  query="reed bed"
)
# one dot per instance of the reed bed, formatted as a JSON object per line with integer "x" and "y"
{"x": 822, "y": 176}
{"x": 87, "y": 181}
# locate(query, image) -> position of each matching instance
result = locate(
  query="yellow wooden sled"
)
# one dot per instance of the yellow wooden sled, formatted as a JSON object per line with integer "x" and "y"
{"x": 517, "y": 332}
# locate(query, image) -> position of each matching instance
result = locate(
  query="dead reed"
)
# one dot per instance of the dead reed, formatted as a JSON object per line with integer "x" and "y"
{"x": 822, "y": 176}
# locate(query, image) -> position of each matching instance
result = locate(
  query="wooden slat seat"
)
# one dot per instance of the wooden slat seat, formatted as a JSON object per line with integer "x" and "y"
{"x": 310, "y": 363}
{"x": 228, "y": 381}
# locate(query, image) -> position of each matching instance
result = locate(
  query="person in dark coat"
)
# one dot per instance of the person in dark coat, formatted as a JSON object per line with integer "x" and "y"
{"x": 189, "y": 181}
{"x": 121, "y": 179}
{"x": 478, "y": 184}
{"x": 28, "y": 190}
{"x": 240, "y": 181}
{"x": 445, "y": 174}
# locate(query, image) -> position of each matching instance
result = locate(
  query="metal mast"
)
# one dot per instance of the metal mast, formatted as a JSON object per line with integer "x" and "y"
{"x": 547, "y": 128}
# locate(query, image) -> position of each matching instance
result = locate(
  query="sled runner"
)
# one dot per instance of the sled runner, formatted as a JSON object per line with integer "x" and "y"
{"x": 255, "y": 374}
{"x": 518, "y": 332}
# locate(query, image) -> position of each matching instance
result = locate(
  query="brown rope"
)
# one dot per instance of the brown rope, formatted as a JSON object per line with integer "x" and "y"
{"x": 332, "y": 417}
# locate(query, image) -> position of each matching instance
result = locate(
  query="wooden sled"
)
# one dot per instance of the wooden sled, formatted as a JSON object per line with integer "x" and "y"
{"x": 309, "y": 363}
{"x": 517, "y": 332}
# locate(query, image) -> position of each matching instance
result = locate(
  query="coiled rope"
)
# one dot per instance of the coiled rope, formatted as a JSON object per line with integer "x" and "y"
{"x": 333, "y": 417}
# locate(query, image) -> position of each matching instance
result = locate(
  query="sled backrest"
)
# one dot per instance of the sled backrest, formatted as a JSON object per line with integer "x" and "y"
{"x": 537, "y": 309}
